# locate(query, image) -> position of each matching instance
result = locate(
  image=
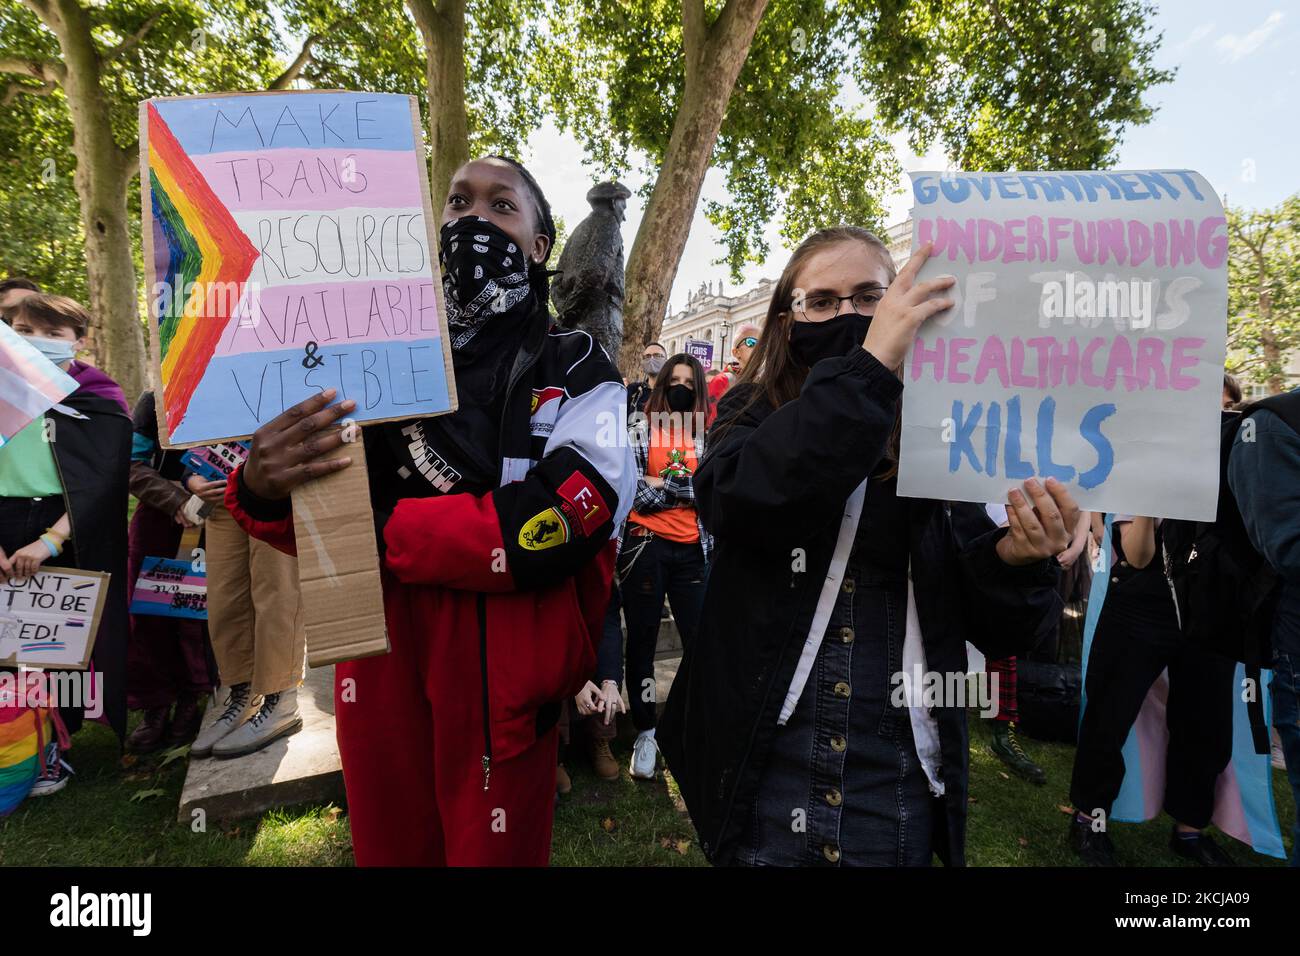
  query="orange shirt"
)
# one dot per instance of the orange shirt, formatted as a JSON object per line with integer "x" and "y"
{"x": 673, "y": 524}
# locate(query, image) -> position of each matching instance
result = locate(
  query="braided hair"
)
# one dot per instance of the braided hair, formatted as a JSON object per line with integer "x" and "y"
{"x": 538, "y": 275}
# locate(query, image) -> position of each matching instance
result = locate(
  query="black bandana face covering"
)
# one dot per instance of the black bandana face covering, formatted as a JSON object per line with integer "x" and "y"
{"x": 484, "y": 274}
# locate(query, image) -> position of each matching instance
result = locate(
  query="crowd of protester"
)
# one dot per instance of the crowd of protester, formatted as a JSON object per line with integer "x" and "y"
{"x": 760, "y": 501}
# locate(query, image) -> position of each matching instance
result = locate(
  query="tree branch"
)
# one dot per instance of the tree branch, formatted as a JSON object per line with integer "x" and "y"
{"x": 17, "y": 89}
{"x": 285, "y": 79}
{"x": 134, "y": 39}
{"x": 695, "y": 33}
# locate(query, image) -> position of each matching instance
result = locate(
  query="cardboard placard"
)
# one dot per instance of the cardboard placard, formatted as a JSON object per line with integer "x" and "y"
{"x": 50, "y": 619}
{"x": 171, "y": 587}
{"x": 216, "y": 462}
{"x": 291, "y": 247}
{"x": 338, "y": 563}
{"x": 1086, "y": 342}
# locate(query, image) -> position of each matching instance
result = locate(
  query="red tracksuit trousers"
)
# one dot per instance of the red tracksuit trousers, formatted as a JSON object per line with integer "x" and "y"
{"x": 410, "y": 733}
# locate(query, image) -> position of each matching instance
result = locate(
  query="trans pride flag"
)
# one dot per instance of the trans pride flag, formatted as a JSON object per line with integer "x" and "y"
{"x": 30, "y": 384}
{"x": 1243, "y": 796}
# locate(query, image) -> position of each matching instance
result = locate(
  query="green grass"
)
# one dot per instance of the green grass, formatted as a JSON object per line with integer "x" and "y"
{"x": 126, "y": 815}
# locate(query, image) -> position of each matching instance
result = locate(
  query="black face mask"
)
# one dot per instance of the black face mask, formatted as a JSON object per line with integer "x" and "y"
{"x": 810, "y": 342}
{"x": 484, "y": 276}
{"x": 681, "y": 398}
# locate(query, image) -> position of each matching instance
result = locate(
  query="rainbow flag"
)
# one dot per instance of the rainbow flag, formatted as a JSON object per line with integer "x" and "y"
{"x": 30, "y": 384}
{"x": 197, "y": 245}
{"x": 1243, "y": 794}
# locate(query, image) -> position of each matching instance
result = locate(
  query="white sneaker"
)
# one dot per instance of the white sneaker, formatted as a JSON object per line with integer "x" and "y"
{"x": 57, "y": 773}
{"x": 240, "y": 705}
{"x": 278, "y": 717}
{"x": 645, "y": 754}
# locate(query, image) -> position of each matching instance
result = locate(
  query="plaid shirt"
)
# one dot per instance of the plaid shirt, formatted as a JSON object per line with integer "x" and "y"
{"x": 676, "y": 492}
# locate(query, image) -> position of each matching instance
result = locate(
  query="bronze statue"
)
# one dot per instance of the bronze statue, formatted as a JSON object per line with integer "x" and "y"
{"x": 587, "y": 292}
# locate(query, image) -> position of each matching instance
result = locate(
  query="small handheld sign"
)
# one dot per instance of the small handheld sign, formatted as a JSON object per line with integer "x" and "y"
{"x": 50, "y": 618}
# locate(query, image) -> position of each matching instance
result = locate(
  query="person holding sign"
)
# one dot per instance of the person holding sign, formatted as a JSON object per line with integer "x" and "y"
{"x": 496, "y": 523}
{"x": 803, "y": 726}
{"x": 63, "y": 496}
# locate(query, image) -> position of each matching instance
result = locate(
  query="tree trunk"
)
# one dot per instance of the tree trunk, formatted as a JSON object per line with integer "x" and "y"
{"x": 442, "y": 28}
{"x": 104, "y": 170}
{"x": 1276, "y": 379}
{"x": 714, "y": 57}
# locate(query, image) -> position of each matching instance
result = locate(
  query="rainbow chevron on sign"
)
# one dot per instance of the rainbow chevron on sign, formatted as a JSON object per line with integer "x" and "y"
{"x": 198, "y": 247}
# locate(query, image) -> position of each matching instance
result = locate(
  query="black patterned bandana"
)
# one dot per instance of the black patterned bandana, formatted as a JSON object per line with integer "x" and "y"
{"x": 484, "y": 276}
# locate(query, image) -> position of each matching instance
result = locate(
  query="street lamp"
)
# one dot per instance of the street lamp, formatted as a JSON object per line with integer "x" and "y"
{"x": 722, "y": 343}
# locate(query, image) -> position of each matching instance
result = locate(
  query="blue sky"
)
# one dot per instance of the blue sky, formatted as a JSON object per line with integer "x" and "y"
{"x": 1232, "y": 113}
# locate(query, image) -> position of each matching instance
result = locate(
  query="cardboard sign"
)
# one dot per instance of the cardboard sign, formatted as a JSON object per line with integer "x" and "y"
{"x": 30, "y": 384}
{"x": 290, "y": 247}
{"x": 171, "y": 587}
{"x": 216, "y": 462}
{"x": 50, "y": 619}
{"x": 701, "y": 351}
{"x": 1086, "y": 342}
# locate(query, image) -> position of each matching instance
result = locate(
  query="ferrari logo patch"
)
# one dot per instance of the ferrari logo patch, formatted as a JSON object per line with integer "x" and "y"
{"x": 544, "y": 530}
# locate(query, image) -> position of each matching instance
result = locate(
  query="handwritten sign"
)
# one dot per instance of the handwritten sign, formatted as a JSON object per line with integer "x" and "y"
{"x": 171, "y": 587}
{"x": 290, "y": 244}
{"x": 50, "y": 618}
{"x": 216, "y": 462}
{"x": 701, "y": 351}
{"x": 1086, "y": 343}
{"x": 30, "y": 384}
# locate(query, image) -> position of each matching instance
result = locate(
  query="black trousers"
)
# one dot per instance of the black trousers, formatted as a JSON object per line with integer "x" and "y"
{"x": 22, "y": 521}
{"x": 1138, "y": 637}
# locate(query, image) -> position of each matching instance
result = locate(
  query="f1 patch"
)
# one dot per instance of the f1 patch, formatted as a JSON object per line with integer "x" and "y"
{"x": 588, "y": 507}
{"x": 544, "y": 530}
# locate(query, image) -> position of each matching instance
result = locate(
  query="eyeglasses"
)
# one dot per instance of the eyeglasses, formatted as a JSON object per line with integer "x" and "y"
{"x": 819, "y": 308}
{"x": 748, "y": 341}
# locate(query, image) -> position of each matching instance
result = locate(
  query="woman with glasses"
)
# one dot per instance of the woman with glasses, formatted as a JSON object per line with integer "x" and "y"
{"x": 797, "y": 728}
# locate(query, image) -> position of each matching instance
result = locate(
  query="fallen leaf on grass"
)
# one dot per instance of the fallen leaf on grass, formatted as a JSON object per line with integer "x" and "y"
{"x": 1003, "y": 775}
{"x": 608, "y": 825}
{"x": 332, "y": 814}
{"x": 676, "y": 844}
{"x": 176, "y": 753}
{"x": 140, "y": 795}
{"x": 1022, "y": 841}
{"x": 1064, "y": 809}
{"x": 128, "y": 760}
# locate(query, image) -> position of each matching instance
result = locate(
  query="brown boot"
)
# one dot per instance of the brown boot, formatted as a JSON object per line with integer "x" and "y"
{"x": 185, "y": 722}
{"x": 602, "y": 760}
{"x": 149, "y": 733}
{"x": 562, "y": 782}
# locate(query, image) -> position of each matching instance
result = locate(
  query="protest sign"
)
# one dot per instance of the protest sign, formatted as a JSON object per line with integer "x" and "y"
{"x": 30, "y": 384}
{"x": 290, "y": 248}
{"x": 50, "y": 619}
{"x": 216, "y": 462}
{"x": 171, "y": 587}
{"x": 702, "y": 351}
{"x": 1086, "y": 342}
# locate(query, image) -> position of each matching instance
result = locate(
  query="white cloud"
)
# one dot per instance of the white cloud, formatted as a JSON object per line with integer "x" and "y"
{"x": 1232, "y": 47}
{"x": 1195, "y": 37}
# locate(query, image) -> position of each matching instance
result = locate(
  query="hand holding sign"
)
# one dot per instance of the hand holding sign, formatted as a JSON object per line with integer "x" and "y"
{"x": 904, "y": 306}
{"x": 1040, "y": 524}
{"x": 287, "y": 451}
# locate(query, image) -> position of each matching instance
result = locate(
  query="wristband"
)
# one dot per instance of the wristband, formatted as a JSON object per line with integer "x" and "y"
{"x": 55, "y": 550}
{"x": 57, "y": 535}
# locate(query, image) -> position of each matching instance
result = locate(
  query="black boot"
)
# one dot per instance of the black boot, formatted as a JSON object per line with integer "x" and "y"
{"x": 1007, "y": 749}
{"x": 1093, "y": 847}
{"x": 1202, "y": 850}
{"x": 149, "y": 733}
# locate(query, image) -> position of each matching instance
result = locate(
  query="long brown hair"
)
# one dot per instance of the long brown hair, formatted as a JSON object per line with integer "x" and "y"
{"x": 657, "y": 404}
{"x": 774, "y": 375}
